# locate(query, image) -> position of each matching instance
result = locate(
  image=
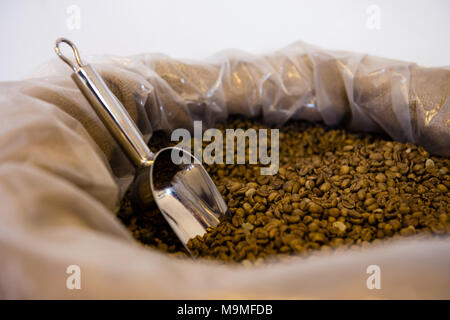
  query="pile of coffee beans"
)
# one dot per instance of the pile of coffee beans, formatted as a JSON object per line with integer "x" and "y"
{"x": 334, "y": 189}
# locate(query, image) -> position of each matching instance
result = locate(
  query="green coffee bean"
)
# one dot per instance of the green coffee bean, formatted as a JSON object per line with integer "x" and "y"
{"x": 333, "y": 189}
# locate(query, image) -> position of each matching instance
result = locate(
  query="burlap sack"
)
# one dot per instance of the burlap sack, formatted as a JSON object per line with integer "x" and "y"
{"x": 62, "y": 175}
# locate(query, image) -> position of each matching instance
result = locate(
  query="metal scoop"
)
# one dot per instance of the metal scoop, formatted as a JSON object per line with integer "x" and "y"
{"x": 184, "y": 193}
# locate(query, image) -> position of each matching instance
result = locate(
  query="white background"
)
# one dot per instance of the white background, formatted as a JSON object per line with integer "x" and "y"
{"x": 415, "y": 30}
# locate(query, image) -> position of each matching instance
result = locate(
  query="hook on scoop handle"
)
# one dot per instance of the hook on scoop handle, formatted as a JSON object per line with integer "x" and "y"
{"x": 108, "y": 108}
{"x": 64, "y": 58}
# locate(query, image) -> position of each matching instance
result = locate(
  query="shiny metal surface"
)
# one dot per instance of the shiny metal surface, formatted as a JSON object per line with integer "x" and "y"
{"x": 189, "y": 200}
{"x": 109, "y": 109}
{"x": 185, "y": 194}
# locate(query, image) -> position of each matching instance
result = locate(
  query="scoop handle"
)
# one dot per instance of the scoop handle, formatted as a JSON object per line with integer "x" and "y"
{"x": 109, "y": 109}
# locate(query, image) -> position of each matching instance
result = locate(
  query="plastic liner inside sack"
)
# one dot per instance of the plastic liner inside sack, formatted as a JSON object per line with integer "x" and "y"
{"x": 62, "y": 175}
{"x": 362, "y": 92}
